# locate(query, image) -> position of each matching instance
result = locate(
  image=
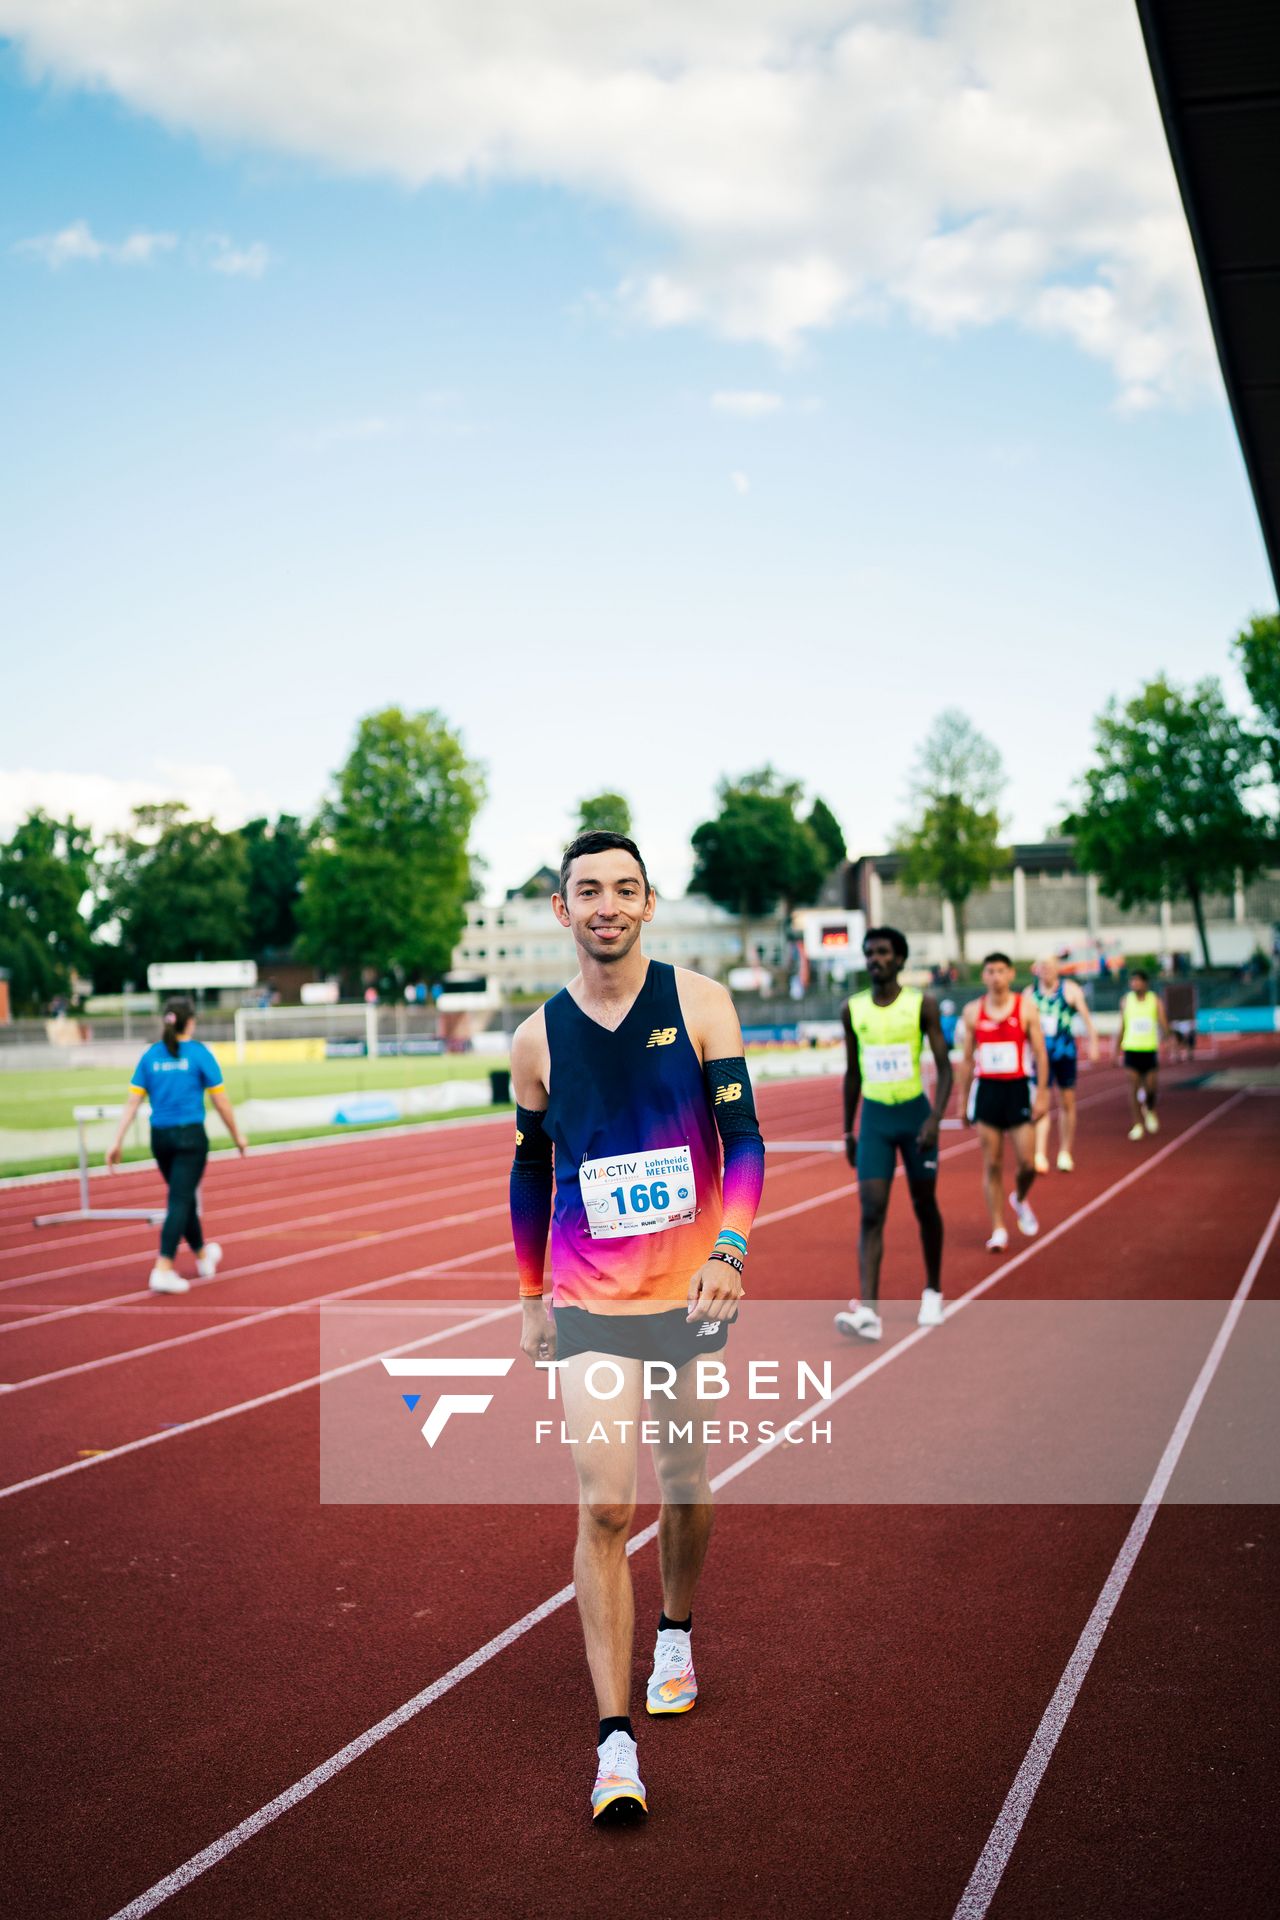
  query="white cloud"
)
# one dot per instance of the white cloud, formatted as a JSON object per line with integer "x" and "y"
{"x": 78, "y": 242}
{"x": 798, "y": 162}
{"x": 740, "y": 483}
{"x": 106, "y": 804}
{"x": 249, "y": 262}
{"x": 747, "y": 405}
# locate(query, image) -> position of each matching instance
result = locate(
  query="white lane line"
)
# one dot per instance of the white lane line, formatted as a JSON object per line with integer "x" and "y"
{"x": 389, "y": 1280}
{"x": 219, "y": 1849}
{"x": 987, "y": 1874}
{"x": 234, "y": 1326}
{"x": 41, "y": 1315}
{"x": 249, "y": 1406}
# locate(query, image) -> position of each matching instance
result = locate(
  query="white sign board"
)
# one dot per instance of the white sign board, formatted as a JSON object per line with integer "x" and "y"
{"x": 831, "y": 933}
{"x": 177, "y": 976}
{"x": 319, "y": 993}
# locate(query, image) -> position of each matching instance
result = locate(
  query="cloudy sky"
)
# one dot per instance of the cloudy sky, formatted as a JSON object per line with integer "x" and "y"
{"x": 656, "y": 389}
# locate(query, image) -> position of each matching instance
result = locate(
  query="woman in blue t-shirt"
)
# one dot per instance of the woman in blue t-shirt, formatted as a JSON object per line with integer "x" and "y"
{"x": 175, "y": 1074}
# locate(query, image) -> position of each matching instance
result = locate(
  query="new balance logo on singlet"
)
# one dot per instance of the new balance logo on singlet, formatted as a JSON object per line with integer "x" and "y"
{"x": 733, "y": 1091}
{"x": 661, "y": 1037}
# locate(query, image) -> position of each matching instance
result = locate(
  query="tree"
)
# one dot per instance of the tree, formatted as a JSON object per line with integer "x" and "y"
{"x": 604, "y": 813}
{"x": 826, "y": 829}
{"x": 757, "y": 852}
{"x": 952, "y": 846}
{"x": 1257, "y": 649}
{"x": 275, "y": 854}
{"x": 385, "y": 880}
{"x": 46, "y": 870}
{"x": 1163, "y": 809}
{"x": 177, "y": 889}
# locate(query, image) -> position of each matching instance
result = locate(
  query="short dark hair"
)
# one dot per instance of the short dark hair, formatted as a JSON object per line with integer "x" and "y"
{"x": 897, "y": 940}
{"x": 1003, "y": 958}
{"x": 600, "y": 842}
{"x": 1140, "y": 973}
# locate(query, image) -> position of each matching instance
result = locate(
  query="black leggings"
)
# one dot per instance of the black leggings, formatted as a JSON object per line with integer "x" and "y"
{"x": 180, "y": 1155}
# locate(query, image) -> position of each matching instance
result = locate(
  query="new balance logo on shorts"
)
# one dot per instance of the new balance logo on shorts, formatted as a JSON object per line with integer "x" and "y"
{"x": 706, "y": 1330}
{"x": 661, "y": 1037}
{"x": 733, "y": 1091}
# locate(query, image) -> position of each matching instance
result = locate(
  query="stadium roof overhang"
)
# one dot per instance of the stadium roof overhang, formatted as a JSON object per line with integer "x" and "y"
{"x": 1216, "y": 66}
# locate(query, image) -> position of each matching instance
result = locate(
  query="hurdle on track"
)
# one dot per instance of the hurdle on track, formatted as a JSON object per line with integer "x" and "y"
{"x": 82, "y": 1116}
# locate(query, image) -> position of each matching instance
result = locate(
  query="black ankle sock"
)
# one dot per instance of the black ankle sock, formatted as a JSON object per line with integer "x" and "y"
{"x": 685, "y": 1626}
{"x": 619, "y": 1723}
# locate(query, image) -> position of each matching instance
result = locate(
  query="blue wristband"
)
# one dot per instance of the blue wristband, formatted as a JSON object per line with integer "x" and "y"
{"x": 734, "y": 1239}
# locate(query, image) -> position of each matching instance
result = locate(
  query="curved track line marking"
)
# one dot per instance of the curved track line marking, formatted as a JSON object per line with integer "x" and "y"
{"x": 994, "y": 1858}
{"x": 219, "y": 1849}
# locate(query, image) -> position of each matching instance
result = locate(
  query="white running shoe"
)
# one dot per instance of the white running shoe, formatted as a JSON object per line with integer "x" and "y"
{"x": 1065, "y": 1163}
{"x": 861, "y": 1322}
{"x": 1151, "y": 1120}
{"x": 167, "y": 1280}
{"x": 1027, "y": 1222}
{"x": 931, "y": 1308}
{"x": 1135, "y": 1133}
{"x": 673, "y": 1685}
{"x": 207, "y": 1259}
{"x": 618, "y": 1793}
{"x": 999, "y": 1240}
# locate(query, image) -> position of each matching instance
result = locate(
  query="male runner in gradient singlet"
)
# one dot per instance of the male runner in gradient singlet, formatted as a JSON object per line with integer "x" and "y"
{"x": 633, "y": 1077}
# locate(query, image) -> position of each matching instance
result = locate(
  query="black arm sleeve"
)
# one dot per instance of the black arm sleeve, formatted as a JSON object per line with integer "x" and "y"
{"x": 729, "y": 1088}
{"x": 530, "y": 1198}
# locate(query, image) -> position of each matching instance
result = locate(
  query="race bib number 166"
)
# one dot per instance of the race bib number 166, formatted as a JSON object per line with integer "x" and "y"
{"x": 630, "y": 1193}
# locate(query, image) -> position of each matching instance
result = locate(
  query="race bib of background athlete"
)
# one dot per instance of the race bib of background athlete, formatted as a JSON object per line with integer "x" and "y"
{"x": 886, "y": 1064}
{"x": 999, "y": 1058}
{"x": 630, "y": 1193}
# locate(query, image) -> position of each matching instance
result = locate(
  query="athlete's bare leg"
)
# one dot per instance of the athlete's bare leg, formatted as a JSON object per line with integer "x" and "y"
{"x": 924, "y": 1198}
{"x": 873, "y": 1199}
{"x": 1135, "y": 1081}
{"x": 685, "y": 1522}
{"x": 1066, "y": 1120}
{"x": 1042, "y": 1130}
{"x": 993, "y": 1172}
{"x": 1024, "y": 1146}
{"x": 606, "y": 1508}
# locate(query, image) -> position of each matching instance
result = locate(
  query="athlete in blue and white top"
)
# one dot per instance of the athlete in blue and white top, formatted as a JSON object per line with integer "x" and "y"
{"x": 1060, "y": 1003}
{"x": 175, "y": 1074}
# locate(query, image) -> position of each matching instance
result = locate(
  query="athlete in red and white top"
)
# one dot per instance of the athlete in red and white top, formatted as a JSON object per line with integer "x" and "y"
{"x": 1002, "y": 1036}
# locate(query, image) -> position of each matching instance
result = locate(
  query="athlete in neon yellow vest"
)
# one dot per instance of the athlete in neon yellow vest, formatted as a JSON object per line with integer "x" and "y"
{"x": 884, "y": 1033}
{"x": 1142, "y": 1027}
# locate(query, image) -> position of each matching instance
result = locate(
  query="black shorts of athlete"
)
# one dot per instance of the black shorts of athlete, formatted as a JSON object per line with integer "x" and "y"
{"x": 1001, "y": 1103}
{"x": 638, "y": 1336}
{"x": 885, "y": 1131}
{"x": 1062, "y": 1070}
{"x": 1144, "y": 1060}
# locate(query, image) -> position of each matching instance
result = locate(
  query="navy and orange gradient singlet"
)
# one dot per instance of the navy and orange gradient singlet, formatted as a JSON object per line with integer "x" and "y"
{"x": 638, "y": 1200}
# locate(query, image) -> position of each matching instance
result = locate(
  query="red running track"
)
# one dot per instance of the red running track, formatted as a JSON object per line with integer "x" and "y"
{"x": 190, "y": 1634}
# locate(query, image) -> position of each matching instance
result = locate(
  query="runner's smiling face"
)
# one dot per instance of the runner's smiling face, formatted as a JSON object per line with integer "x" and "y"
{"x": 605, "y": 904}
{"x": 883, "y": 964}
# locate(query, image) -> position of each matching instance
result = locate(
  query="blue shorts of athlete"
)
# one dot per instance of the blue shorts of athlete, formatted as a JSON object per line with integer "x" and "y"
{"x": 886, "y": 1131}
{"x": 638, "y": 1336}
{"x": 1062, "y": 1069}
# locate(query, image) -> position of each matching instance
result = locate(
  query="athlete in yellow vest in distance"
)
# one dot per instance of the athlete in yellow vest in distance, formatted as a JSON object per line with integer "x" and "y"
{"x": 884, "y": 1032}
{"x": 1142, "y": 1027}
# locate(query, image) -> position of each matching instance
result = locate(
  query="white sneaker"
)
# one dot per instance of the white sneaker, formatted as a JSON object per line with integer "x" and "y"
{"x": 619, "y": 1790}
{"x": 167, "y": 1280}
{"x": 999, "y": 1240}
{"x": 931, "y": 1308}
{"x": 1135, "y": 1133}
{"x": 1151, "y": 1120}
{"x": 1065, "y": 1163}
{"x": 673, "y": 1685}
{"x": 862, "y": 1323}
{"x": 1027, "y": 1222}
{"x": 207, "y": 1259}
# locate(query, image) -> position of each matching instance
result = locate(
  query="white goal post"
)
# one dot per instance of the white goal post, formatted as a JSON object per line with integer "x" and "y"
{"x": 343, "y": 1020}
